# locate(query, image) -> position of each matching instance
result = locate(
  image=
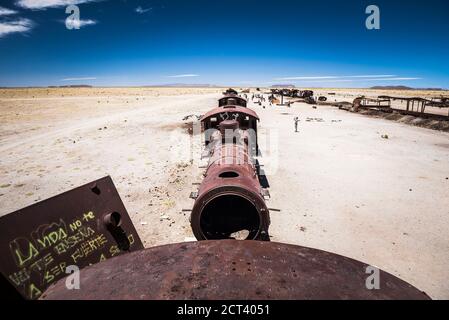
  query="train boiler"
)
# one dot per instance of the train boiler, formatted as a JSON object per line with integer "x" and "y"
{"x": 230, "y": 201}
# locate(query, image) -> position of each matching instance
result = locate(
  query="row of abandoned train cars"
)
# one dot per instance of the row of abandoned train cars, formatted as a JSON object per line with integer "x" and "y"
{"x": 89, "y": 230}
{"x": 414, "y": 106}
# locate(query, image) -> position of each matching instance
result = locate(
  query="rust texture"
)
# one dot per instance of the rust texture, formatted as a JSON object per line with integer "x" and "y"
{"x": 230, "y": 91}
{"x": 232, "y": 100}
{"x": 229, "y": 269}
{"x": 230, "y": 201}
{"x": 226, "y": 112}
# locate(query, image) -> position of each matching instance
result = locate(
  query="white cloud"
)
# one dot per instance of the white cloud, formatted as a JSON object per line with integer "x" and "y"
{"x": 363, "y": 80}
{"x": 184, "y": 76}
{"x": 76, "y": 24}
{"x": 6, "y": 11}
{"x": 372, "y": 76}
{"x": 335, "y": 80}
{"x": 306, "y": 78}
{"x": 43, "y": 4}
{"x": 334, "y": 77}
{"x": 79, "y": 79}
{"x": 141, "y": 10}
{"x": 15, "y": 26}
{"x": 395, "y": 79}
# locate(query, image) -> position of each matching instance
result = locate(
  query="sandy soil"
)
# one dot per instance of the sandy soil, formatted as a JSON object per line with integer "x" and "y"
{"x": 338, "y": 184}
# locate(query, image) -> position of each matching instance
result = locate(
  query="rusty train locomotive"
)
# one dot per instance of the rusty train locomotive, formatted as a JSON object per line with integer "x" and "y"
{"x": 230, "y": 201}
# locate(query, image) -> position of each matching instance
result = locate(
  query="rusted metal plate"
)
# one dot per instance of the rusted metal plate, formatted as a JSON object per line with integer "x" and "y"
{"x": 81, "y": 227}
{"x": 230, "y": 269}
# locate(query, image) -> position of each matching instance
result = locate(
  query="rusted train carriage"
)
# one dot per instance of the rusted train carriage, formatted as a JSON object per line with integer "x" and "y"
{"x": 230, "y": 201}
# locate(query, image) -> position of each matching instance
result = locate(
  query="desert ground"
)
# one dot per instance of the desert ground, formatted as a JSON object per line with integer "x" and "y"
{"x": 336, "y": 185}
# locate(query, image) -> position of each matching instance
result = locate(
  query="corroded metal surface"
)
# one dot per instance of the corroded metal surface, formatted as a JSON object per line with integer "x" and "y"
{"x": 230, "y": 202}
{"x": 232, "y": 101}
{"x": 220, "y": 111}
{"x": 230, "y": 91}
{"x": 230, "y": 269}
{"x": 80, "y": 227}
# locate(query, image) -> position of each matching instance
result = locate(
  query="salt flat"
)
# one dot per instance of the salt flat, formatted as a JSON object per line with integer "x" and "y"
{"x": 338, "y": 184}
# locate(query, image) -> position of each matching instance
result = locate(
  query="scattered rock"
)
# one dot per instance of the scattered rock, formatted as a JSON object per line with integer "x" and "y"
{"x": 165, "y": 217}
{"x": 314, "y": 120}
{"x": 240, "y": 235}
{"x": 191, "y": 116}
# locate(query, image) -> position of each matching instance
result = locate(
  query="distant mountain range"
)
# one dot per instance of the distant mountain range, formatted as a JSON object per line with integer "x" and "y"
{"x": 183, "y": 85}
{"x": 199, "y": 85}
{"x": 290, "y": 86}
{"x": 73, "y": 86}
{"x": 404, "y": 88}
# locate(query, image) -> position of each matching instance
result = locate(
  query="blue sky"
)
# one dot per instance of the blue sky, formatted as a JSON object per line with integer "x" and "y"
{"x": 320, "y": 43}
